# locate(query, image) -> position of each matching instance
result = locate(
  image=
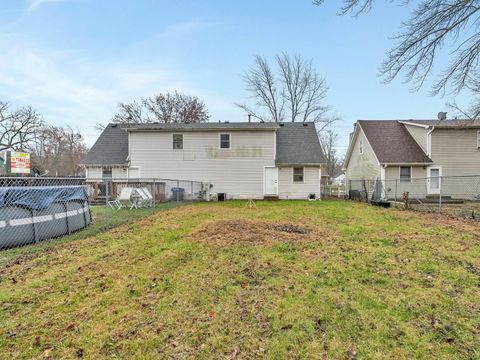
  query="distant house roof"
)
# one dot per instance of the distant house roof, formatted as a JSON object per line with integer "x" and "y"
{"x": 392, "y": 143}
{"x": 297, "y": 143}
{"x": 111, "y": 148}
{"x": 454, "y": 123}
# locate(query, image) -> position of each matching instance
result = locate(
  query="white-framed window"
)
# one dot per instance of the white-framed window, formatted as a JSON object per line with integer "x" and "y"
{"x": 478, "y": 139}
{"x": 298, "y": 175}
{"x": 224, "y": 141}
{"x": 177, "y": 141}
{"x": 360, "y": 147}
{"x": 106, "y": 172}
{"x": 405, "y": 173}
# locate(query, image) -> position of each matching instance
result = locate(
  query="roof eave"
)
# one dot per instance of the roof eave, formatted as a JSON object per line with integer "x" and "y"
{"x": 313, "y": 164}
{"x": 406, "y": 163}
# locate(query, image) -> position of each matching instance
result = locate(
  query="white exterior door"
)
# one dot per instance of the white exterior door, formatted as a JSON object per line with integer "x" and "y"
{"x": 270, "y": 181}
{"x": 434, "y": 180}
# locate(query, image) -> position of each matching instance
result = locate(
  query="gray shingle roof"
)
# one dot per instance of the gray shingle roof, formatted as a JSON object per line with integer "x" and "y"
{"x": 111, "y": 148}
{"x": 205, "y": 126}
{"x": 297, "y": 143}
{"x": 454, "y": 123}
{"x": 392, "y": 143}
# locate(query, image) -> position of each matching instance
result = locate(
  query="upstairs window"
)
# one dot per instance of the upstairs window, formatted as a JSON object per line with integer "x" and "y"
{"x": 405, "y": 174}
{"x": 360, "y": 147}
{"x": 297, "y": 174}
{"x": 224, "y": 141}
{"x": 478, "y": 139}
{"x": 177, "y": 141}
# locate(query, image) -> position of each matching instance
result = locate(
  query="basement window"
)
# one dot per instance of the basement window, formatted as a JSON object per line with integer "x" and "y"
{"x": 177, "y": 141}
{"x": 224, "y": 141}
{"x": 405, "y": 173}
{"x": 298, "y": 175}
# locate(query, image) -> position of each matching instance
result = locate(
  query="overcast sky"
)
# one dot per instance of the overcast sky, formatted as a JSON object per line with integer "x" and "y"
{"x": 74, "y": 60}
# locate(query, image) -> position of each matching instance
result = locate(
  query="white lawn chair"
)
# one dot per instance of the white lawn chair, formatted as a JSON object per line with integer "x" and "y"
{"x": 126, "y": 199}
{"x": 146, "y": 198}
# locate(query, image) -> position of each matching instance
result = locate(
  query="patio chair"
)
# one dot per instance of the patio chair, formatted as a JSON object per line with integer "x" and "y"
{"x": 146, "y": 198}
{"x": 126, "y": 199}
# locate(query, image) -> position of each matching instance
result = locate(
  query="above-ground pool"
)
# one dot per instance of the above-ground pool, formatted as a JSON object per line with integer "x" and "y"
{"x": 32, "y": 214}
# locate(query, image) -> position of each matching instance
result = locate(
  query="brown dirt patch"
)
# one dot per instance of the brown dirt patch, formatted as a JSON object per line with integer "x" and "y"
{"x": 255, "y": 232}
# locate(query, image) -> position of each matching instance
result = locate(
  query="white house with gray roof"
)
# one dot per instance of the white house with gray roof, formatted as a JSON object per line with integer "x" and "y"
{"x": 240, "y": 160}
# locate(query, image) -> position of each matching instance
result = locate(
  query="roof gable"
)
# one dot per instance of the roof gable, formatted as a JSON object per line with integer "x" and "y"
{"x": 111, "y": 148}
{"x": 392, "y": 143}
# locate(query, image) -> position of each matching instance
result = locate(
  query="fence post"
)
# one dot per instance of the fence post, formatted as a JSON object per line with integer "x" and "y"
{"x": 191, "y": 193}
{"x": 396, "y": 185}
{"x": 440, "y": 195}
{"x": 106, "y": 203}
{"x": 154, "y": 191}
{"x": 178, "y": 191}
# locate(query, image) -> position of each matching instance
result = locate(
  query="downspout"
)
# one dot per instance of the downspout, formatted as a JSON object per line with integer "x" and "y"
{"x": 429, "y": 142}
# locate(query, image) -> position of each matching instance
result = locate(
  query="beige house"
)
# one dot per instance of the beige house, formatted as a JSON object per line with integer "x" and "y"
{"x": 423, "y": 157}
{"x": 240, "y": 160}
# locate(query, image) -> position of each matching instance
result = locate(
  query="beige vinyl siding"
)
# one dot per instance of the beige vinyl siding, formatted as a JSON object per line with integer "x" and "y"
{"x": 362, "y": 166}
{"x": 455, "y": 150}
{"x": 237, "y": 171}
{"x": 287, "y": 189}
{"x": 119, "y": 173}
{"x": 420, "y": 135}
{"x": 94, "y": 172}
{"x": 417, "y": 188}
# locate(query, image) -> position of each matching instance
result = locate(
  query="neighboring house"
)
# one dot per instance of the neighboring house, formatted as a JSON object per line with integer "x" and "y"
{"x": 240, "y": 160}
{"x": 427, "y": 150}
{"x": 339, "y": 180}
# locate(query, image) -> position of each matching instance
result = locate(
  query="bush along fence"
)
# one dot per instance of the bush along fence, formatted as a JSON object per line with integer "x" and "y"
{"x": 33, "y": 209}
{"x": 452, "y": 195}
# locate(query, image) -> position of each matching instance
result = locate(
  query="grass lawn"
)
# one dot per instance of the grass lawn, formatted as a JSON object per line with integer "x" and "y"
{"x": 287, "y": 279}
{"x": 98, "y": 225}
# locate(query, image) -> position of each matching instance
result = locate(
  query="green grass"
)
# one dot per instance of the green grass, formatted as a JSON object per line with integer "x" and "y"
{"x": 99, "y": 224}
{"x": 184, "y": 283}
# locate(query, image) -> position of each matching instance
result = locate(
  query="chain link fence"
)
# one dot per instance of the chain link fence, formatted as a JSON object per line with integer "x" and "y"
{"x": 453, "y": 195}
{"x": 33, "y": 209}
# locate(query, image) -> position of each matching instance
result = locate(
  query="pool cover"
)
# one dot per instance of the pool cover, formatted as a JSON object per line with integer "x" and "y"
{"x": 41, "y": 197}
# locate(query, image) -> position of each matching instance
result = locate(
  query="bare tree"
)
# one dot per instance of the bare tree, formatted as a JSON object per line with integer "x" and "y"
{"x": 58, "y": 150}
{"x": 18, "y": 128}
{"x": 294, "y": 92}
{"x": 433, "y": 25}
{"x": 163, "y": 108}
{"x": 328, "y": 142}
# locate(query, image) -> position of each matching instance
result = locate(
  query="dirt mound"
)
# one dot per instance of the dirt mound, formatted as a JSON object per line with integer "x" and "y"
{"x": 227, "y": 232}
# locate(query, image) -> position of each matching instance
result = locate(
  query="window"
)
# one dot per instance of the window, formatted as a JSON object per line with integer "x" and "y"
{"x": 405, "y": 174}
{"x": 177, "y": 141}
{"x": 107, "y": 173}
{"x": 478, "y": 139}
{"x": 297, "y": 174}
{"x": 360, "y": 147}
{"x": 224, "y": 141}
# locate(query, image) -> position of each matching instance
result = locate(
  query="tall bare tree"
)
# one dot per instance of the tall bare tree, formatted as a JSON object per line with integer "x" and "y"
{"x": 328, "y": 142}
{"x": 432, "y": 26}
{"x": 293, "y": 91}
{"x": 164, "y": 108}
{"x": 18, "y": 128}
